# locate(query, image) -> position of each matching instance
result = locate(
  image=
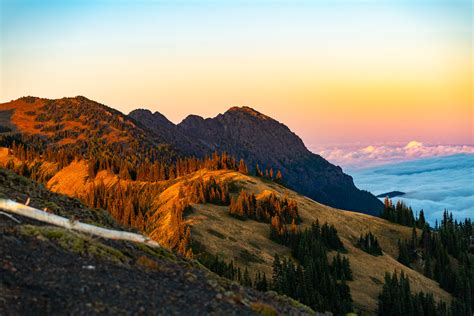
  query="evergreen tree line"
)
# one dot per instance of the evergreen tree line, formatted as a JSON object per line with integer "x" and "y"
{"x": 396, "y": 299}
{"x": 147, "y": 164}
{"x": 37, "y": 147}
{"x": 299, "y": 241}
{"x": 127, "y": 203}
{"x": 370, "y": 244}
{"x": 402, "y": 214}
{"x": 314, "y": 281}
{"x": 210, "y": 191}
{"x": 445, "y": 255}
{"x": 132, "y": 205}
{"x": 232, "y": 272}
{"x": 162, "y": 170}
{"x": 30, "y": 170}
{"x": 268, "y": 174}
{"x": 293, "y": 280}
{"x": 265, "y": 209}
{"x": 341, "y": 268}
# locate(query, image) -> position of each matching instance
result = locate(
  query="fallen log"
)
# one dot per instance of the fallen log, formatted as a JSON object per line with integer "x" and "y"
{"x": 42, "y": 216}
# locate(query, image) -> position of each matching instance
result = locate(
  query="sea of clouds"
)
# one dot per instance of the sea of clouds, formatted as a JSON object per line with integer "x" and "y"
{"x": 356, "y": 156}
{"x": 432, "y": 184}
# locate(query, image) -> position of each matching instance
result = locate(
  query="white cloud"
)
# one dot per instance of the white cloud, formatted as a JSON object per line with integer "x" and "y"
{"x": 357, "y": 156}
{"x": 432, "y": 184}
{"x": 413, "y": 145}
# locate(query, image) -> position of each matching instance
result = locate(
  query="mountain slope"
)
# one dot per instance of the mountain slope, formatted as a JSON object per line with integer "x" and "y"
{"x": 257, "y": 138}
{"x": 87, "y": 127}
{"x": 170, "y": 209}
{"x": 248, "y": 244}
{"x": 51, "y": 270}
{"x": 82, "y": 125}
{"x": 215, "y": 232}
{"x": 246, "y": 133}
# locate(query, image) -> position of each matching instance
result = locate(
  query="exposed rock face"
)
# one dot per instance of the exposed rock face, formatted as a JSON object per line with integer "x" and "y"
{"x": 257, "y": 138}
{"x": 163, "y": 130}
{"x": 246, "y": 133}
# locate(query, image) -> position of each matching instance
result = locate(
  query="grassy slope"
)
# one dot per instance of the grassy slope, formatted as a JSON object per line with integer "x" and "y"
{"x": 50, "y": 270}
{"x": 25, "y": 111}
{"x": 247, "y": 241}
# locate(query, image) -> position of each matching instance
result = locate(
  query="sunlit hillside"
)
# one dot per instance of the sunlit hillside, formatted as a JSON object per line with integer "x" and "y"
{"x": 247, "y": 243}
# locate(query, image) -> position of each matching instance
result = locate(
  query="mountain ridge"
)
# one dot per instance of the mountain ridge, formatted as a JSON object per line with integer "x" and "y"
{"x": 241, "y": 131}
{"x": 186, "y": 205}
{"x": 259, "y": 139}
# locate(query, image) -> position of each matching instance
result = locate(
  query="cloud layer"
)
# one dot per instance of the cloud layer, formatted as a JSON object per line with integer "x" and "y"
{"x": 358, "y": 156}
{"x": 432, "y": 184}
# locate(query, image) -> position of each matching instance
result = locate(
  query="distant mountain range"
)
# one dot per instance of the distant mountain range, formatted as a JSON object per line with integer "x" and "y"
{"x": 245, "y": 133}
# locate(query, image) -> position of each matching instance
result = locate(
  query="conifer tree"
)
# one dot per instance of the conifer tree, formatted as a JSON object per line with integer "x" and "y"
{"x": 258, "y": 172}
{"x": 278, "y": 177}
{"x": 246, "y": 281}
{"x": 403, "y": 255}
{"x": 243, "y": 167}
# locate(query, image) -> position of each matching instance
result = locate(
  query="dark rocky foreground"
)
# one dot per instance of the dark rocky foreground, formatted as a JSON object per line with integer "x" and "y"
{"x": 37, "y": 277}
{"x": 50, "y": 270}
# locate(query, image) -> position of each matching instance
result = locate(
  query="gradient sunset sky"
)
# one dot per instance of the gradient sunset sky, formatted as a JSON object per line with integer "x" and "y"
{"x": 340, "y": 71}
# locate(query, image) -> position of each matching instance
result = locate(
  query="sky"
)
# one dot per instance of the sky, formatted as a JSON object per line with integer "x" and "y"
{"x": 336, "y": 72}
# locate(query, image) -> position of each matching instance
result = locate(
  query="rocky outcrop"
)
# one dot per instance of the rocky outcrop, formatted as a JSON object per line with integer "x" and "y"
{"x": 164, "y": 131}
{"x": 246, "y": 133}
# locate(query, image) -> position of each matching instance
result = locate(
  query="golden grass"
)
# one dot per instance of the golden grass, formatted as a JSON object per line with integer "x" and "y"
{"x": 70, "y": 180}
{"x": 23, "y": 122}
{"x": 247, "y": 242}
{"x": 236, "y": 236}
{"x": 26, "y": 123}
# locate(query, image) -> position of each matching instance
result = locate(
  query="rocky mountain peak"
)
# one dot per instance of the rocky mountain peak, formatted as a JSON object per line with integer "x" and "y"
{"x": 156, "y": 119}
{"x": 246, "y": 133}
{"x": 246, "y": 110}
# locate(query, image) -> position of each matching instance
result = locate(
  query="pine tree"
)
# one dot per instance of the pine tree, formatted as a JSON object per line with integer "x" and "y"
{"x": 403, "y": 256}
{"x": 258, "y": 172}
{"x": 277, "y": 273}
{"x": 246, "y": 281}
{"x": 427, "y": 271}
{"x": 278, "y": 177}
{"x": 243, "y": 167}
{"x": 421, "y": 222}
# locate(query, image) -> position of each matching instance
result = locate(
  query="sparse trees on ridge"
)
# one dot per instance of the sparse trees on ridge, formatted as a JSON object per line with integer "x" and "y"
{"x": 370, "y": 244}
{"x": 265, "y": 209}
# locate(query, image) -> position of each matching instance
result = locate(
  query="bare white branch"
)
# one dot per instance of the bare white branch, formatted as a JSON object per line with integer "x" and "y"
{"x": 42, "y": 216}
